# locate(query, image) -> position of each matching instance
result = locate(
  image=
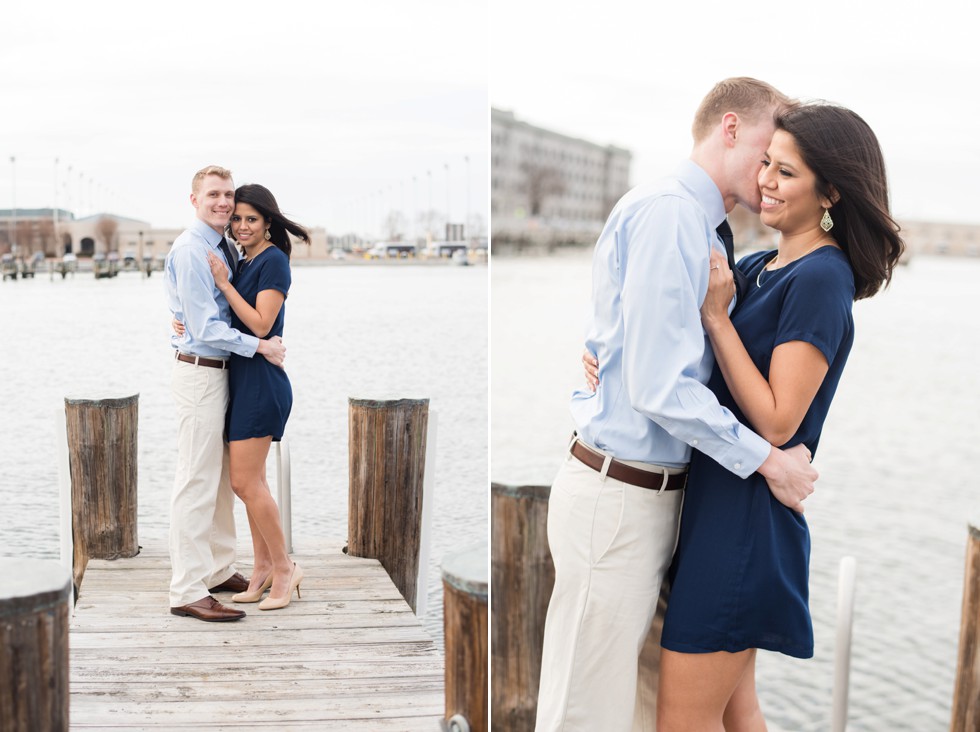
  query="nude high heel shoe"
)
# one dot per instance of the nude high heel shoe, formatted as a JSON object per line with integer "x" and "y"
{"x": 295, "y": 578}
{"x": 253, "y": 596}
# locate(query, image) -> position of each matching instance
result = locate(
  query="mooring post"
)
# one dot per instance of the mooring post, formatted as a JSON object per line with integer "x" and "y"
{"x": 387, "y": 448}
{"x": 102, "y": 460}
{"x": 34, "y": 599}
{"x": 464, "y": 582}
{"x": 523, "y": 576}
{"x": 966, "y": 693}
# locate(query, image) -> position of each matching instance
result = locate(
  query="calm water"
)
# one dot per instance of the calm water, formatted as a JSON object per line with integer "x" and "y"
{"x": 372, "y": 331}
{"x": 897, "y": 490}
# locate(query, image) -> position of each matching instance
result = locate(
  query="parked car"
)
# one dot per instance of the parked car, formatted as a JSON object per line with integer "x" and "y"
{"x": 8, "y": 266}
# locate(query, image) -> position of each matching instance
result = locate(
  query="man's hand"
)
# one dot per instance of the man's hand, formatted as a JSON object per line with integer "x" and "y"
{"x": 273, "y": 350}
{"x": 219, "y": 271}
{"x": 789, "y": 475}
{"x": 591, "y": 365}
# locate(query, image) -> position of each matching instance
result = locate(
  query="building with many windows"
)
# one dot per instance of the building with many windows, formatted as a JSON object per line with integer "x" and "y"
{"x": 56, "y": 232}
{"x": 549, "y": 188}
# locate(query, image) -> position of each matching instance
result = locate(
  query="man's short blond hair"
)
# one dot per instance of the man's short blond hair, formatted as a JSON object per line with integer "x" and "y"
{"x": 749, "y": 98}
{"x": 205, "y": 172}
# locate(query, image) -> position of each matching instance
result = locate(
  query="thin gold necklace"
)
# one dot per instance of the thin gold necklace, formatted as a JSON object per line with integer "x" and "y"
{"x": 765, "y": 267}
{"x": 248, "y": 260}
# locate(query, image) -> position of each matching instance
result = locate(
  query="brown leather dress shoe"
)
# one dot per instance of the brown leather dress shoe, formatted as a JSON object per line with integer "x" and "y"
{"x": 209, "y": 610}
{"x": 235, "y": 583}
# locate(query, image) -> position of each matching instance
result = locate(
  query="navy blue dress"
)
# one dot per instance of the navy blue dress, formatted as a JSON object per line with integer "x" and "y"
{"x": 260, "y": 394}
{"x": 740, "y": 575}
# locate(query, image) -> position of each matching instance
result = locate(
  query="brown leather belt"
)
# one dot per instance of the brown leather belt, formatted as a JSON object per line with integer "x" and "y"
{"x": 215, "y": 363}
{"x": 627, "y": 473}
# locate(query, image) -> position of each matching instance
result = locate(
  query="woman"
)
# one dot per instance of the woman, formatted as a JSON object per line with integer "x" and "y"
{"x": 740, "y": 573}
{"x": 260, "y": 394}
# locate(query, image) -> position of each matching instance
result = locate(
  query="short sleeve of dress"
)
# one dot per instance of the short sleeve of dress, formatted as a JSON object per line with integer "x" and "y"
{"x": 816, "y": 307}
{"x": 275, "y": 274}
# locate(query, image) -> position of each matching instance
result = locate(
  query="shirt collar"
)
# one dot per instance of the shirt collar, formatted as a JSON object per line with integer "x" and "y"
{"x": 211, "y": 236}
{"x": 693, "y": 177}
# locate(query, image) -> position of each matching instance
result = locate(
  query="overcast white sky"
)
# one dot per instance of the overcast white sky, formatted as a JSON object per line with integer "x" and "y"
{"x": 335, "y": 107}
{"x": 633, "y": 73}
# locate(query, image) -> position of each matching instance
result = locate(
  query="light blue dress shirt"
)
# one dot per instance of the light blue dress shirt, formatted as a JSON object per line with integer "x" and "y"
{"x": 195, "y": 300}
{"x": 649, "y": 278}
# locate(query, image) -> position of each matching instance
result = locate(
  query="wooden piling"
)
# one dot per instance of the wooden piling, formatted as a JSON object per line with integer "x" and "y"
{"x": 102, "y": 462}
{"x": 464, "y": 582}
{"x": 523, "y": 576}
{"x": 387, "y": 444}
{"x": 33, "y": 645}
{"x": 966, "y": 694}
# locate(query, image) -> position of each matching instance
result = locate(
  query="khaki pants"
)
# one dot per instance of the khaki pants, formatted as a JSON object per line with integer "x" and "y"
{"x": 612, "y": 544}
{"x": 202, "y": 520}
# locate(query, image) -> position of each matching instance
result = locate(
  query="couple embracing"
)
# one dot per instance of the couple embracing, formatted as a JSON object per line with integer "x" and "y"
{"x": 710, "y": 383}
{"x": 232, "y": 395}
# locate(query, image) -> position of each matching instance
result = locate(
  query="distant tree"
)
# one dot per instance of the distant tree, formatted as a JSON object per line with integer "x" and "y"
{"x": 26, "y": 237}
{"x": 474, "y": 226}
{"x": 394, "y": 226}
{"x": 46, "y": 241}
{"x": 541, "y": 181}
{"x": 105, "y": 229}
{"x": 430, "y": 223}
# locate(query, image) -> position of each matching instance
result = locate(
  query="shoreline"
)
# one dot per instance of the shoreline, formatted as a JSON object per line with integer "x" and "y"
{"x": 51, "y": 267}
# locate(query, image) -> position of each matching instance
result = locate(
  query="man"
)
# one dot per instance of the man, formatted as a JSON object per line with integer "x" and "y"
{"x": 202, "y": 523}
{"x": 615, "y": 504}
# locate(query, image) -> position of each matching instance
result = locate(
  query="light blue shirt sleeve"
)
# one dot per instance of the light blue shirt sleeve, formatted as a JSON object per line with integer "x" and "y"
{"x": 199, "y": 305}
{"x": 664, "y": 263}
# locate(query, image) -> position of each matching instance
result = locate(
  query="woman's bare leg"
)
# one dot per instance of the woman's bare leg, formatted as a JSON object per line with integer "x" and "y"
{"x": 249, "y": 483}
{"x": 262, "y": 565}
{"x": 743, "y": 713}
{"x": 695, "y": 689}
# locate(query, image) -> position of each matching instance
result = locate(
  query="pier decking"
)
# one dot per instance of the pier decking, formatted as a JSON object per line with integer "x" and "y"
{"x": 350, "y": 655}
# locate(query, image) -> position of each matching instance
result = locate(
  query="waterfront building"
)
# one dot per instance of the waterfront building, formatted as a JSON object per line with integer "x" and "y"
{"x": 550, "y": 188}
{"x": 928, "y": 237}
{"x": 57, "y": 232}
{"x": 24, "y": 231}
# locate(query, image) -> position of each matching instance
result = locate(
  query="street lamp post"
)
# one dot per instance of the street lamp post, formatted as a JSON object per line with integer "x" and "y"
{"x": 466, "y": 223}
{"x": 449, "y": 216}
{"x": 415, "y": 212}
{"x": 54, "y": 210}
{"x": 13, "y": 208}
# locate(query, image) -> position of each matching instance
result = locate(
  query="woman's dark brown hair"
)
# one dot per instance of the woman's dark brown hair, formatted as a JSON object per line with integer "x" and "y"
{"x": 261, "y": 199}
{"x": 844, "y": 154}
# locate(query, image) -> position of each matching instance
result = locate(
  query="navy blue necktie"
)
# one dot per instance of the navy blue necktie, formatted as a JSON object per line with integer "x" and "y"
{"x": 231, "y": 259}
{"x": 741, "y": 281}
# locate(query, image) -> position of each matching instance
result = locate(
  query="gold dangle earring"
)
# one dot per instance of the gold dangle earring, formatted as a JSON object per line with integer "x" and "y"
{"x": 826, "y": 223}
{"x": 268, "y": 236}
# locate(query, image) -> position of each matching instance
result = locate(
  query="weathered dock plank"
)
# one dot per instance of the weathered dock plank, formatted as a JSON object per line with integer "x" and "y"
{"x": 349, "y": 655}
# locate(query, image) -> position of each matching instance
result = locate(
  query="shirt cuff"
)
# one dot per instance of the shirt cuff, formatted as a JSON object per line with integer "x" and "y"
{"x": 246, "y": 347}
{"x": 745, "y": 456}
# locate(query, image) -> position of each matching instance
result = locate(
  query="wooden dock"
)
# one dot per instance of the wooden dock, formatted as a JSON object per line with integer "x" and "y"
{"x": 350, "y": 655}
